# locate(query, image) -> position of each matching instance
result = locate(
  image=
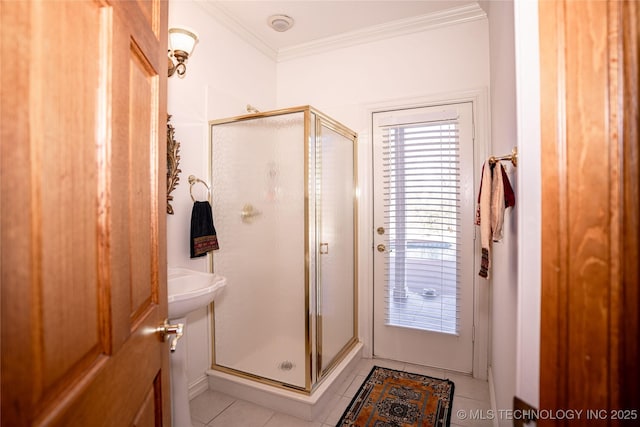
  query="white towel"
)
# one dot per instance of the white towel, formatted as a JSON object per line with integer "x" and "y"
{"x": 497, "y": 203}
{"x": 490, "y": 212}
{"x": 483, "y": 215}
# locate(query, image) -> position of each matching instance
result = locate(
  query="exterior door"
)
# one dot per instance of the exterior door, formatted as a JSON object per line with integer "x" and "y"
{"x": 423, "y": 235}
{"x": 83, "y": 213}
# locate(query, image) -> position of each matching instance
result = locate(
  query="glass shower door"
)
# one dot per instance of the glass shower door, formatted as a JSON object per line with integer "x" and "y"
{"x": 335, "y": 201}
{"x": 258, "y": 188}
{"x": 283, "y": 193}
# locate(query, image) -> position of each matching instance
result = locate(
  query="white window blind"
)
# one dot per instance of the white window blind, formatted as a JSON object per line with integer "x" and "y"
{"x": 421, "y": 215}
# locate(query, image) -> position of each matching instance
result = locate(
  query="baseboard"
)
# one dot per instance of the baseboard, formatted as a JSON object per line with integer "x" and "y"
{"x": 492, "y": 396}
{"x": 198, "y": 386}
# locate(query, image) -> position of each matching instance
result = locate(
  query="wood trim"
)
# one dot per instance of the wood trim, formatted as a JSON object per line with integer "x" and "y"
{"x": 589, "y": 116}
{"x": 553, "y": 328}
{"x": 630, "y": 206}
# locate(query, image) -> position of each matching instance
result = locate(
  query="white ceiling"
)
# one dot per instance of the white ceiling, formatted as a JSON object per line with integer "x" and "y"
{"x": 320, "y": 20}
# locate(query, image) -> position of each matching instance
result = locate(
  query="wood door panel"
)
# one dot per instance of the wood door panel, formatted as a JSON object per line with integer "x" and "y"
{"x": 131, "y": 14}
{"x": 82, "y": 209}
{"x": 18, "y": 263}
{"x": 588, "y": 200}
{"x": 143, "y": 86}
{"x": 118, "y": 223}
{"x": 146, "y": 416}
{"x": 64, "y": 208}
{"x": 151, "y": 11}
{"x": 589, "y": 116}
{"x": 629, "y": 295}
{"x": 127, "y": 375}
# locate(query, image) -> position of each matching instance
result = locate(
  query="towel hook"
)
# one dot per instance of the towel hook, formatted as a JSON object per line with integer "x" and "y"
{"x": 192, "y": 181}
{"x": 513, "y": 157}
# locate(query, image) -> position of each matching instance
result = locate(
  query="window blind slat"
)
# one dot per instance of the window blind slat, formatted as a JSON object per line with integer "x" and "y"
{"x": 421, "y": 179}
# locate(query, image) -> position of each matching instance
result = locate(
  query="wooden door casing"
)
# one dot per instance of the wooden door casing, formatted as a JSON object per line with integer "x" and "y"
{"x": 590, "y": 208}
{"x": 83, "y": 224}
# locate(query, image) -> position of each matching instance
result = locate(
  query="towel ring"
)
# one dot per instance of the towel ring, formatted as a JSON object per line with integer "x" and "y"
{"x": 192, "y": 181}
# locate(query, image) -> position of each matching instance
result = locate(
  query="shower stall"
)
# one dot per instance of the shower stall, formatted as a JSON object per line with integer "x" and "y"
{"x": 285, "y": 209}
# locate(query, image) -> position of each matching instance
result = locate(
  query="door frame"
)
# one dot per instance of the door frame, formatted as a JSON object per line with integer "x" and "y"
{"x": 589, "y": 311}
{"x": 481, "y": 116}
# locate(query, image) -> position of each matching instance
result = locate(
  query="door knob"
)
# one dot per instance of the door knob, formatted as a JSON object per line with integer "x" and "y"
{"x": 176, "y": 330}
{"x": 381, "y": 247}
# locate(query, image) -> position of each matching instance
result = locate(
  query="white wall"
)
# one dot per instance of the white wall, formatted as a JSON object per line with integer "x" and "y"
{"x": 223, "y": 75}
{"x": 529, "y": 217}
{"x": 516, "y": 300}
{"x": 504, "y": 285}
{"x": 343, "y": 82}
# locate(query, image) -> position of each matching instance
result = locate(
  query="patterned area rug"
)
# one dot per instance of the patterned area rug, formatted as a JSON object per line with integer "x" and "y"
{"x": 390, "y": 398}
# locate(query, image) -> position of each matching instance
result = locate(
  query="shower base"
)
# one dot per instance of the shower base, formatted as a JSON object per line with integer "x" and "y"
{"x": 307, "y": 407}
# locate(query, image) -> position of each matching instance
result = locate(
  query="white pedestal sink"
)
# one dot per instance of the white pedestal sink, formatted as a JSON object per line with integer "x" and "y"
{"x": 188, "y": 290}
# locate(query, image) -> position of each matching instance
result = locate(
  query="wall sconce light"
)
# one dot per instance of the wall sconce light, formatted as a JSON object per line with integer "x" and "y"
{"x": 181, "y": 44}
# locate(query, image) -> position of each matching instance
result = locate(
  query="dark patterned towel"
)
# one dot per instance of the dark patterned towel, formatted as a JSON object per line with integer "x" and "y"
{"x": 203, "y": 233}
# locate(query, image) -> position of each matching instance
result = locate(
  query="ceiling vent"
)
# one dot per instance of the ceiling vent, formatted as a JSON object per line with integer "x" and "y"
{"x": 280, "y": 23}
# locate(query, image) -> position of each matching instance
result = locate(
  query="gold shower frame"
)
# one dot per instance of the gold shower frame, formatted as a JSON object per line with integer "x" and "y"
{"x": 314, "y": 374}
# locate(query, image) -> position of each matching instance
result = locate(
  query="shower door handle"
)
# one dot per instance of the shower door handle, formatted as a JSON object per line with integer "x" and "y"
{"x": 248, "y": 212}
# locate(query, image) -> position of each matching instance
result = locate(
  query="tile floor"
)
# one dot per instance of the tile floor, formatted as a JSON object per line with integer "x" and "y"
{"x": 215, "y": 409}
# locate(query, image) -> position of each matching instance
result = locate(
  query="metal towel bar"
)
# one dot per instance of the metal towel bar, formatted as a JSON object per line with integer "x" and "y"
{"x": 192, "y": 181}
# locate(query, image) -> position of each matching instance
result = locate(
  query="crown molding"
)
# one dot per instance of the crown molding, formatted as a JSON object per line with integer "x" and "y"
{"x": 224, "y": 17}
{"x": 396, "y": 28}
{"x": 453, "y": 16}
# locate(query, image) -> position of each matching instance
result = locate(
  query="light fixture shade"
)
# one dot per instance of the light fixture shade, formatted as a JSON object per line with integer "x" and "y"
{"x": 181, "y": 39}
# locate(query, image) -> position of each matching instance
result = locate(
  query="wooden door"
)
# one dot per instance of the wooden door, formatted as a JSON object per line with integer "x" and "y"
{"x": 590, "y": 210}
{"x": 83, "y": 213}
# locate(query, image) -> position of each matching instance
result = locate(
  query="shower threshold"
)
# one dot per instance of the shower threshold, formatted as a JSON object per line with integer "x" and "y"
{"x": 293, "y": 403}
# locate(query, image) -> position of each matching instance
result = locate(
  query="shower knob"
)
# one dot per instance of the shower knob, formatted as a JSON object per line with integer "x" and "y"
{"x": 381, "y": 247}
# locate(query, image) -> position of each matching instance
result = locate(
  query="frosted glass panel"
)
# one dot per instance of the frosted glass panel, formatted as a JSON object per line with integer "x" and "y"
{"x": 283, "y": 193}
{"x": 335, "y": 196}
{"x": 258, "y": 169}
